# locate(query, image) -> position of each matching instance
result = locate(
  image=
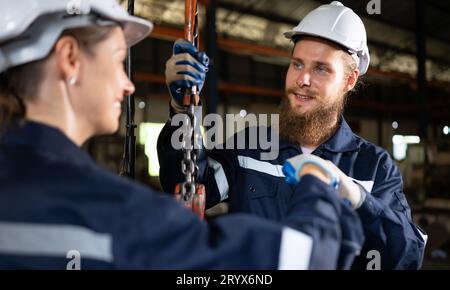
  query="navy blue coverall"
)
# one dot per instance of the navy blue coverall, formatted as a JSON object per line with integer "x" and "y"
{"x": 55, "y": 200}
{"x": 254, "y": 186}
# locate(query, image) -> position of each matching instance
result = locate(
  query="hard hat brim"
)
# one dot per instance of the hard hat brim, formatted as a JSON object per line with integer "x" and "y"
{"x": 364, "y": 62}
{"x": 292, "y": 33}
{"x": 135, "y": 29}
{"x": 40, "y": 23}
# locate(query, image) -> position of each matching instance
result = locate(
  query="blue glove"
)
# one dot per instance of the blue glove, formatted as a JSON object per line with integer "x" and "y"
{"x": 186, "y": 68}
{"x": 293, "y": 166}
{"x": 351, "y": 193}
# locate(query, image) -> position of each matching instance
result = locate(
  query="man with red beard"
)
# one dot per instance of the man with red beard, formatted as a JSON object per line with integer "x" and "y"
{"x": 329, "y": 55}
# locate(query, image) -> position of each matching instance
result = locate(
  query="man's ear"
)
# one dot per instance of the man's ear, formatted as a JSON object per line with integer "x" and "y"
{"x": 67, "y": 52}
{"x": 352, "y": 78}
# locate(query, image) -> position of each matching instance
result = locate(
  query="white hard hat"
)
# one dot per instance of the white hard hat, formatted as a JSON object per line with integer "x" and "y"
{"x": 30, "y": 28}
{"x": 339, "y": 24}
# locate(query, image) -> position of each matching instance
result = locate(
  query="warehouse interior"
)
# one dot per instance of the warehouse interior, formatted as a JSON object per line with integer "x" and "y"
{"x": 401, "y": 105}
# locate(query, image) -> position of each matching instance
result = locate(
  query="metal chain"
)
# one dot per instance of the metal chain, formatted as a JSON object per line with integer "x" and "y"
{"x": 189, "y": 165}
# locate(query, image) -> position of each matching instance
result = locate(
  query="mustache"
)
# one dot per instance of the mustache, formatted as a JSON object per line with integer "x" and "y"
{"x": 296, "y": 90}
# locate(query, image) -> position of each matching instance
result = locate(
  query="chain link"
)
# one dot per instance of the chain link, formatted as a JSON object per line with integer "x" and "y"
{"x": 189, "y": 165}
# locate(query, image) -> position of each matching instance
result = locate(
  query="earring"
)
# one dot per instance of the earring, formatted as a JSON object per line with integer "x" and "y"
{"x": 72, "y": 80}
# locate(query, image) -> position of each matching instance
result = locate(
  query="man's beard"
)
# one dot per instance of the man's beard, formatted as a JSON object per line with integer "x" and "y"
{"x": 311, "y": 128}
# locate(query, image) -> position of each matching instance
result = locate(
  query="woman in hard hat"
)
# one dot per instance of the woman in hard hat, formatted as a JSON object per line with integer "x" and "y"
{"x": 61, "y": 82}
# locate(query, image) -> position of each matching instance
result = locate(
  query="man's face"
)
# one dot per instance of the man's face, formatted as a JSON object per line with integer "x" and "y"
{"x": 316, "y": 85}
{"x": 315, "y": 78}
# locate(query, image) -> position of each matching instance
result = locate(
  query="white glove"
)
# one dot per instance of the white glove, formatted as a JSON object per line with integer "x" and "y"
{"x": 348, "y": 189}
{"x": 351, "y": 192}
{"x": 293, "y": 167}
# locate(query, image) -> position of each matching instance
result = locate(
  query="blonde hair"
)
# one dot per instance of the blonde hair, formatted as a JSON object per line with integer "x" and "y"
{"x": 350, "y": 66}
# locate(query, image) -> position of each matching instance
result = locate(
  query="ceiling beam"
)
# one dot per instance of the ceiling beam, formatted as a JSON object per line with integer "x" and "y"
{"x": 249, "y": 11}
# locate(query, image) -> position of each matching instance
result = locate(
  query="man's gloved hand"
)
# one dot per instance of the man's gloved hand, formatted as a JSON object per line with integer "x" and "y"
{"x": 293, "y": 168}
{"x": 186, "y": 68}
{"x": 348, "y": 189}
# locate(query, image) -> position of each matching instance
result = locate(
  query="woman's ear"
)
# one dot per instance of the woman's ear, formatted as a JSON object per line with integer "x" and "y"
{"x": 67, "y": 52}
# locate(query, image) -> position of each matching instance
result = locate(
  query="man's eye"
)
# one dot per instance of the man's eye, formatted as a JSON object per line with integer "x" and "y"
{"x": 321, "y": 70}
{"x": 297, "y": 65}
